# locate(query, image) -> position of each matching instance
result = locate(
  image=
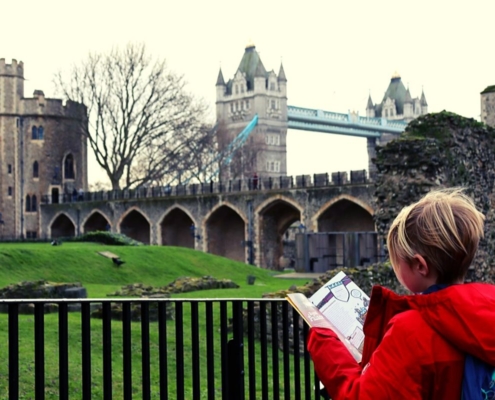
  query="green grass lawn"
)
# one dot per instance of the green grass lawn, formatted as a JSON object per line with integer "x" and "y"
{"x": 152, "y": 265}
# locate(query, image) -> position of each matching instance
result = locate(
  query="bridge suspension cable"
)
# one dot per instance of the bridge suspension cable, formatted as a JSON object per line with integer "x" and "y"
{"x": 225, "y": 156}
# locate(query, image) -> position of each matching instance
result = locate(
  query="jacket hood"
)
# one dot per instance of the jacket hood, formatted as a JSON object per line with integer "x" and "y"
{"x": 463, "y": 314}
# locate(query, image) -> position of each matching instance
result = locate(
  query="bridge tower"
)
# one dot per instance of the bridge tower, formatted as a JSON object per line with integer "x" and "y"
{"x": 253, "y": 90}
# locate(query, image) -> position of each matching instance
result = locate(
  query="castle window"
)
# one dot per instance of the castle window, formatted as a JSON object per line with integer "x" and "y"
{"x": 31, "y": 234}
{"x": 10, "y": 191}
{"x": 35, "y": 170}
{"x": 9, "y": 168}
{"x": 236, "y": 89}
{"x": 272, "y": 85}
{"x": 37, "y": 133}
{"x": 34, "y": 203}
{"x": 231, "y": 107}
{"x": 247, "y": 103}
{"x": 69, "y": 167}
{"x": 28, "y": 203}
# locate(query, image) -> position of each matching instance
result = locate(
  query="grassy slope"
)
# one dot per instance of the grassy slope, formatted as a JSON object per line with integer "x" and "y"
{"x": 157, "y": 266}
{"x": 153, "y": 265}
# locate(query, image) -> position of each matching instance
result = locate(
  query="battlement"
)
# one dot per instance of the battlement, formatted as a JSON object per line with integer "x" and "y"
{"x": 13, "y": 69}
{"x": 39, "y": 104}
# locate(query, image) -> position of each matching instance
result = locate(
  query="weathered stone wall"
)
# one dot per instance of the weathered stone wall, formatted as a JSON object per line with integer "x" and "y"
{"x": 438, "y": 151}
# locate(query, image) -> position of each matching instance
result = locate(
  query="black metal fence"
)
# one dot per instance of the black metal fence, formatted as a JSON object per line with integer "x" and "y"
{"x": 238, "y": 185}
{"x": 154, "y": 349}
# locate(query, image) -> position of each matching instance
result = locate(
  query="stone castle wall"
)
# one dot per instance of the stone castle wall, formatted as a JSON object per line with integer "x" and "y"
{"x": 439, "y": 151}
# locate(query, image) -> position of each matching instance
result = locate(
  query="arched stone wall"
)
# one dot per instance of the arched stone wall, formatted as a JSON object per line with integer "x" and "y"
{"x": 96, "y": 221}
{"x": 275, "y": 217}
{"x": 62, "y": 226}
{"x": 225, "y": 233}
{"x": 136, "y": 226}
{"x": 344, "y": 216}
{"x": 177, "y": 229}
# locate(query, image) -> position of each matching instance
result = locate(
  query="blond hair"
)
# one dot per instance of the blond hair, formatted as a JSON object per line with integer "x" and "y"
{"x": 444, "y": 227}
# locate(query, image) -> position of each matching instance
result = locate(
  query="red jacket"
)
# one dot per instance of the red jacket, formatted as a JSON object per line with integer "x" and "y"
{"x": 414, "y": 345}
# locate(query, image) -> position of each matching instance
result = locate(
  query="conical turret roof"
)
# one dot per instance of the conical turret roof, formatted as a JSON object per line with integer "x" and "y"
{"x": 396, "y": 91}
{"x": 281, "y": 74}
{"x": 370, "y": 103}
{"x": 251, "y": 65}
{"x": 220, "y": 80}
{"x": 408, "y": 97}
{"x": 423, "y": 99}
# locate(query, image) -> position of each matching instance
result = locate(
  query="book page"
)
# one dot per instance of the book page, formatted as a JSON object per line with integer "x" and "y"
{"x": 345, "y": 306}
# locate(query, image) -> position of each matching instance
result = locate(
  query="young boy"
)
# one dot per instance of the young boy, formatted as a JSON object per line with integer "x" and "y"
{"x": 436, "y": 344}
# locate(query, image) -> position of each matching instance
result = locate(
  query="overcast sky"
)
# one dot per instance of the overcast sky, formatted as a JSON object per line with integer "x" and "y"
{"x": 335, "y": 53}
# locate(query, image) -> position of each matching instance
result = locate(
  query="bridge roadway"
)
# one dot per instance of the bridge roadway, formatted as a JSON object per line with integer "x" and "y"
{"x": 350, "y": 124}
{"x": 244, "y": 220}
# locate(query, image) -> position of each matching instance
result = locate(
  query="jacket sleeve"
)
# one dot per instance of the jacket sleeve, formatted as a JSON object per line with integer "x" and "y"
{"x": 402, "y": 366}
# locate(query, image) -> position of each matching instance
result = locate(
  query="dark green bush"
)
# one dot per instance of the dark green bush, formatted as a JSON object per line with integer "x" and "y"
{"x": 104, "y": 237}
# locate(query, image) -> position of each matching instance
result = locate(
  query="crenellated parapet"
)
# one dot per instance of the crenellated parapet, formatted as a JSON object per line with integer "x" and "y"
{"x": 13, "y": 69}
{"x": 49, "y": 107}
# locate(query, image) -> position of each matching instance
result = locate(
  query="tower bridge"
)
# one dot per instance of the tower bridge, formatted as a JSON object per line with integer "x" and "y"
{"x": 232, "y": 217}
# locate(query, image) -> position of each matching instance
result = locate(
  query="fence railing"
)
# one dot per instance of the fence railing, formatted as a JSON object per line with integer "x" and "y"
{"x": 154, "y": 349}
{"x": 237, "y": 185}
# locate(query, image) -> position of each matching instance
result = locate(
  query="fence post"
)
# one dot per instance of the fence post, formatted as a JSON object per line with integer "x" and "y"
{"x": 235, "y": 355}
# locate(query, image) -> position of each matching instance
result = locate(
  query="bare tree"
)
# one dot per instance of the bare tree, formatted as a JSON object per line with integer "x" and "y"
{"x": 141, "y": 120}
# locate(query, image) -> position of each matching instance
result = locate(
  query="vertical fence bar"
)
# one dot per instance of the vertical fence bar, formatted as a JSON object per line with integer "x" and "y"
{"x": 145, "y": 350}
{"x": 196, "y": 361}
{"x": 210, "y": 351}
{"x": 163, "y": 348}
{"x": 179, "y": 349}
{"x": 251, "y": 352}
{"x": 264, "y": 351}
{"x": 63, "y": 351}
{"x": 237, "y": 358}
{"x": 297, "y": 353}
{"x": 86, "y": 350}
{"x": 39, "y": 351}
{"x": 307, "y": 366}
{"x": 286, "y": 349}
{"x": 126, "y": 350}
{"x": 275, "y": 364}
{"x": 13, "y": 351}
{"x": 223, "y": 350}
{"x": 107, "y": 350}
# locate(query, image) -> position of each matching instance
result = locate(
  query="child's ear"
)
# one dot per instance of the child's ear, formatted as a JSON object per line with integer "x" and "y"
{"x": 420, "y": 265}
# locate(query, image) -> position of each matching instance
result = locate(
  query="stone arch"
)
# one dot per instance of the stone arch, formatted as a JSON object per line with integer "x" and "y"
{"x": 62, "y": 226}
{"x": 177, "y": 227}
{"x": 135, "y": 224}
{"x": 95, "y": 221}
{"x": 225, "y": 232}
{"x": 275, "y": 216}
{"x": 344, "y": 214}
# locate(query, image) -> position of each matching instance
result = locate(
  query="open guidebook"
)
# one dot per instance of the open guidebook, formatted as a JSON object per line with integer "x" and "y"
{"x": 339, "y": 305}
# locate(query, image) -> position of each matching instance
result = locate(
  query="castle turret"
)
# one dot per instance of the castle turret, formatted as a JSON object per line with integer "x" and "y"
{"x": 408, "y": 105}
{"x": 370, "y": 108}
{"x": 221, "y": 87}
{"x": 424, "y": 104}
{"x": 488, "y": 106}
{"x": 41, "y": 138}
{"x": 282, "y": 80}
{"x": 397, "y": 103}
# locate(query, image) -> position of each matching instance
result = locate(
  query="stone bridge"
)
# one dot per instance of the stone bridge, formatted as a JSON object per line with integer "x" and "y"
{"x": 244, "y": 221}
